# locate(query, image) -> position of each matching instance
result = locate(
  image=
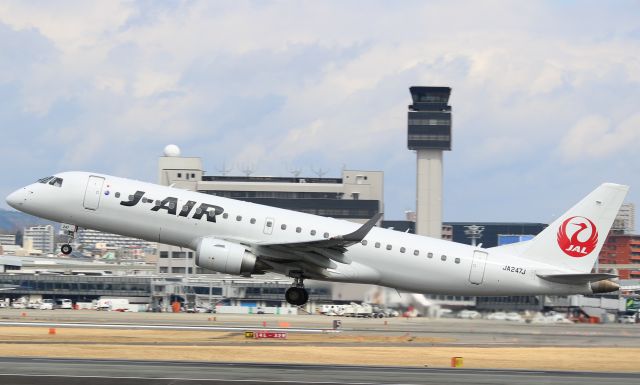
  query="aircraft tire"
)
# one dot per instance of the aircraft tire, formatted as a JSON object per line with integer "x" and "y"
{"x": 296, "y": 296}
{"x": 66, "y": 249}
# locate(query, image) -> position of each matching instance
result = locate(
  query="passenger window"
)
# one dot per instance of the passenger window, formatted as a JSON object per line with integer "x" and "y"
{"x": 457, "y": 260}
{"x": 283, "y": 226}
{"x": 313, "y": 232}
{"x": 193, "y": 175}
{"x": 402, "y": 249}
{"x": 416, "y": 252}
{"x": 444, "y": 258}
{"x": 377, "y": 245}
{"x": 117, "y": 195}
{"x": 253, "y": 220}
{"x": 429, "y": 255}
{"x": 269, "y": 223}
{"x": 388, "y": 247}
{"x": 364, "y": 242}
{"x": 239, "y": 218}
{"x": 179, "y": 175}
{"x": 225, "y": 215}
{"x": 298, "y": 229}
{"x": 326, "y": 235}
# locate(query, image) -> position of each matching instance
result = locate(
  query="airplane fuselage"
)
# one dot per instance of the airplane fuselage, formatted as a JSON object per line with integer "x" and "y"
{"x": 385, "y": 257}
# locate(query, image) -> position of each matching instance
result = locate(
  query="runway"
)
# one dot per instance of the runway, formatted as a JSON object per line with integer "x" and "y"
{"x": 121, "y": 372}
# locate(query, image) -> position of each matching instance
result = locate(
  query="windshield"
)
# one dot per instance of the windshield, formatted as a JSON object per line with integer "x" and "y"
{"x": 52, "y": 180}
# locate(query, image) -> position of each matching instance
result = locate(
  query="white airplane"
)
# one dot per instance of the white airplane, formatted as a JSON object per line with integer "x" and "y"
{"x": 241, "y": 238}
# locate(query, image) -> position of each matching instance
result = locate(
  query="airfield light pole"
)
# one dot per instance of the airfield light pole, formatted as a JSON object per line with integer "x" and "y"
{"x": 474, "y": 232}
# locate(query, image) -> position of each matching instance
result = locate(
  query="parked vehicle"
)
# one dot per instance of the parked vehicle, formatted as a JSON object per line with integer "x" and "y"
{"x": 64, "y": 303}
{"x": 514, "y": 317}
{"x": 469, "y": 314}
{"x": 627, "y": 319}
{"x": 113, "y": 304}
{"x": 498, "y": 316}
{"x": 47, "y": 304}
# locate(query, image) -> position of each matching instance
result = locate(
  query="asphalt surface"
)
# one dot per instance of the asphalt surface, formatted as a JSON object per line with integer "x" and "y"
{"x": 453, "y": 332}
{"x": 102, "y": 372}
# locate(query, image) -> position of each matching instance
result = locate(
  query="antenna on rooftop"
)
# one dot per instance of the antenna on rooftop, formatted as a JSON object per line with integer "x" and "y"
{"x": 224, "y": 170}
{"x": 248, "y": 170}
{"x": 319, "y": 172}
{"x": 295, "y": 172}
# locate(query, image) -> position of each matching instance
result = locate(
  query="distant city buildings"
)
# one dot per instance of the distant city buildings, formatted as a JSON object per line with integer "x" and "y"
{"x": 7, "y": 239}
{"x": 40, "y": 238}
{"x": 622, "y": 252}
{"x": 625, "y": 221}
{"x": 92, "y": 239}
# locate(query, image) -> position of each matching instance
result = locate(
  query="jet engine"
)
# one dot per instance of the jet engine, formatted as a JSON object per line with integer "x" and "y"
{"x": 225, "y": 257}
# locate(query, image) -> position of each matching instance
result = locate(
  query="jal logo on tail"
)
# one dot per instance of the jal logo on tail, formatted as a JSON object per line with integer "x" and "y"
{"x": 577, "y": 237}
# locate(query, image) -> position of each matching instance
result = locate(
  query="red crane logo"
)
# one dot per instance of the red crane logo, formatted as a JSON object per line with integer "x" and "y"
{"x": 583, "y": 240}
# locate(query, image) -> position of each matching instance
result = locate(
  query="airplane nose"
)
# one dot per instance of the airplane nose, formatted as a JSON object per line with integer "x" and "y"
{"x": 15, "y": 199}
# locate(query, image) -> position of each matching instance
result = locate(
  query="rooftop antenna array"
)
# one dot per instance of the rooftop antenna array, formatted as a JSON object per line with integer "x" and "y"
{"x": 295, "y": 172}
{"x": 248, "y": 170}
{"x": 224, "y": 170}
{"x": 319, "y": 172}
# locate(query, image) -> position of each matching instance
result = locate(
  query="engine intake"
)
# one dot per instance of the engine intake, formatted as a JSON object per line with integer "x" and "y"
{"x": 225, "y": 257}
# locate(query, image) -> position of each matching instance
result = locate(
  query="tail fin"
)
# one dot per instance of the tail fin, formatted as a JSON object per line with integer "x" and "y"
{"x": 573, "y": 241}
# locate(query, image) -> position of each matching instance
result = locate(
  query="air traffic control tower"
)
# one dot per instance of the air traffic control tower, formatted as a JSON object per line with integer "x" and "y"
{"x": 429, "y": 135}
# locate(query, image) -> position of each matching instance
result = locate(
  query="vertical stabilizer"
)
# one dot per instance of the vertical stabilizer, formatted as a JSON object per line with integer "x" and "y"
{"x": 573, "y": 241}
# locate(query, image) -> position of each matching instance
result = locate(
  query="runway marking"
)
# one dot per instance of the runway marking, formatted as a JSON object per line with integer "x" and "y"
{"x": 165, "y": 327}
{"x": 197, "y": 379}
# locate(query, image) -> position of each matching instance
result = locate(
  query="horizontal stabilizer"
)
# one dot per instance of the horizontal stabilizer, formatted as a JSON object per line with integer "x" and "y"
{"x": 576, "y": 279}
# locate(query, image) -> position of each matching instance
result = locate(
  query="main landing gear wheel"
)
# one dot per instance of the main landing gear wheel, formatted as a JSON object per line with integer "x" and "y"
{"x": 297, "y": 296}
{"x": 66, "y": 249}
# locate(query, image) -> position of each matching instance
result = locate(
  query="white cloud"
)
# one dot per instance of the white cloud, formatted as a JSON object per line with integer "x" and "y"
{"x": 594, "y": 137}
{"x": 320, "y": 82}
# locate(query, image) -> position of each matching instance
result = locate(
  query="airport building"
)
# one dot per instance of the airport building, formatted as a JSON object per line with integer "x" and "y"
{"x": 83, "y": 281}
{"x": 355, "y": 196}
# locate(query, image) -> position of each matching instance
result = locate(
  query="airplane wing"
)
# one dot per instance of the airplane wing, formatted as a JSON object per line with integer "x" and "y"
{"x": 312, "y": 256}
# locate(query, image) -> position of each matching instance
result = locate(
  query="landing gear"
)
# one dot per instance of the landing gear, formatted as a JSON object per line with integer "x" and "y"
{"x": 297, "y": 295}
{"x": 66, "y": 249}
{"x": 70, "y": 232}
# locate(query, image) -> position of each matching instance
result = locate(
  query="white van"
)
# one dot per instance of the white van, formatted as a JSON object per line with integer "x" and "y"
{"x": 64, "y": 303}
{"x": 47, "y": 304}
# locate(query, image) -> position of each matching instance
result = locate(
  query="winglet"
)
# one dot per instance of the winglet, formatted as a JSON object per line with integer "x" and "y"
{"x": 358, "y": 235}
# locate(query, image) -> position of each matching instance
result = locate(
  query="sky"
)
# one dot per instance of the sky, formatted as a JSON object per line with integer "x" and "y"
{"x": 545, "y": 94}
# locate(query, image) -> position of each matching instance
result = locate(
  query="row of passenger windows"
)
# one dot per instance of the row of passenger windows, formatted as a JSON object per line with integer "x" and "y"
{"x": 269, "y": 223}
{"x": 403, "y": 250}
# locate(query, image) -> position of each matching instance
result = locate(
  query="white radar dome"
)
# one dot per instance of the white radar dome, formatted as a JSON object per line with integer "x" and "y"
{"x": 172, "y": 150}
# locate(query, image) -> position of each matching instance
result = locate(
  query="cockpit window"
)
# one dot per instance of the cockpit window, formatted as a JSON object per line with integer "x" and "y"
{"x": 45, "y": 180}
{"x": 52, "y": 180}
{"x": 57, "y": 182}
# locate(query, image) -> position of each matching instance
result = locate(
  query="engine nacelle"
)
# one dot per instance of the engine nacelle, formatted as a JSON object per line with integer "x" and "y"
{"x": 224, "y": 257}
